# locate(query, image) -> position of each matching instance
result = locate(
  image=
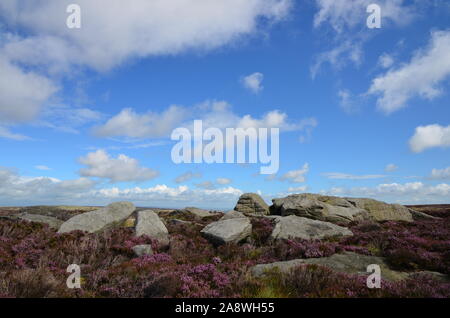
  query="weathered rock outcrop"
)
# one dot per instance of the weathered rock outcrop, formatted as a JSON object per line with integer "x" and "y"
{"x": 232, "y": 215}
{"x": 381, "y": 211}
{"x": 252, "y": 203}
{"x": 100, "y": 219}
{"x": 291, "y": 227}
{"x": 231, "y": 230}
{"x": 336, "y": 209}
{"x": 347, "y": 262}
{"x": 148, "y": 223}
{"x": 52, "y": 222}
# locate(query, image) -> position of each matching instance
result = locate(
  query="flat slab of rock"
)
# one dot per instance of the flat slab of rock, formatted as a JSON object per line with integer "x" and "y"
{"x": 252, "y": 203}
{"x": 143, "y": 249}
{"x": 348, "y": 262}
{"x": 225, "y": 231}
{"x": 336, "y": 209}
{"x": 99, "y": 220}
{"x": 232, "y": 215}
{"x": 198, "y": 212}
{"x": 292, "y": 227}
{"x": 149, "y": 223}
{"x": 417, "y": 215}
{"x": 52, "y": 222}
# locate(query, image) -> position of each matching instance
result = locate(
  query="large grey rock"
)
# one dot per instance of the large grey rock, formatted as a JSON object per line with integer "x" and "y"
{"x": 149, "y": 223}
{"x": 200, "y": 213}
{"x": 336, "y": 209}
{"x": 347, "y": 262}
{"x": 144, "y": 249}
{"x": 252, "y": 203}
{"x": 291, "y": 227}
{"x": 381, "y": 211}
{"x": 232, "y": 215}
{"x": 52, "y": 222}
{"x": 100, "y": 219}
{"x": 225, "y": 231}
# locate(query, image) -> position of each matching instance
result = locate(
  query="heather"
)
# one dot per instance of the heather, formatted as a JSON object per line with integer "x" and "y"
{"x": 34, "y": 258}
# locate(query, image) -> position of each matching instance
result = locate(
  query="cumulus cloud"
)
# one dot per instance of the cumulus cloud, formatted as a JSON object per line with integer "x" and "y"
{"x": 440, "y": 174}
{"x": 223, "y": 181}
{"x": 253, "y": 82}
{"x": 187, "y": 176}
{"x": 15, "y": 188}
{"x": 130, "y": 124}
{"x": 296, "y": 176}
{"x": 20, "y": 190}
{"x": 346, "y": 176}
{"x": 420, "y": 77}
{"x": 391, "y": 167}
{"x": 218, "y": 114}
{"x": 112, "y": 33}
{"x": 408, "y": 193}
{"x": 430, "y": 136}
{"x": 22, "y": 93}
{"x": 121, "y": 169}
{"x": 46, "y": 51}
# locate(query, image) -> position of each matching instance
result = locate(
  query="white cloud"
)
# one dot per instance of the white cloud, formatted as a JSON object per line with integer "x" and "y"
{"x": 344, "y": 15}
{"x": 223, "y": 181}
{"x": 391, "y": 167}
{"x": 111, "y": 33}
{"x": 207, "y": 185}
{"x": 441, "y": 174}
{"x": 345, "y": 176}
{"x": 297, "y": 189}
{"x": 338, "y": 57}
{"x": 187, "y": 176}
{"x": 213, "y": 114}
{"x": 68, "y": 119}
{"x": 18, "y": 190}
{"x": 420, "y": 77}
{"x": 100, "y": 164}
{"x": 430, "y": 136}
{"x": 22, "y": 94}
{"x": 296, "y": 176}
{"x": 6, "y": 133}
{"x": 348, "y": 102}
{"x": 307, "y": 125}
{"x": 253, "y": 82}
{"x": 42, "y": 167}
{"x": 408, "y": 193}
{"x": 385, "y": 60}
{"x": 130, "y": 124}
{"x": 15, "y": 188}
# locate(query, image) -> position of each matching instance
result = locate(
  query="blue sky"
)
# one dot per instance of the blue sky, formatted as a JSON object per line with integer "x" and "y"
{"x": 86, "y": 114}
